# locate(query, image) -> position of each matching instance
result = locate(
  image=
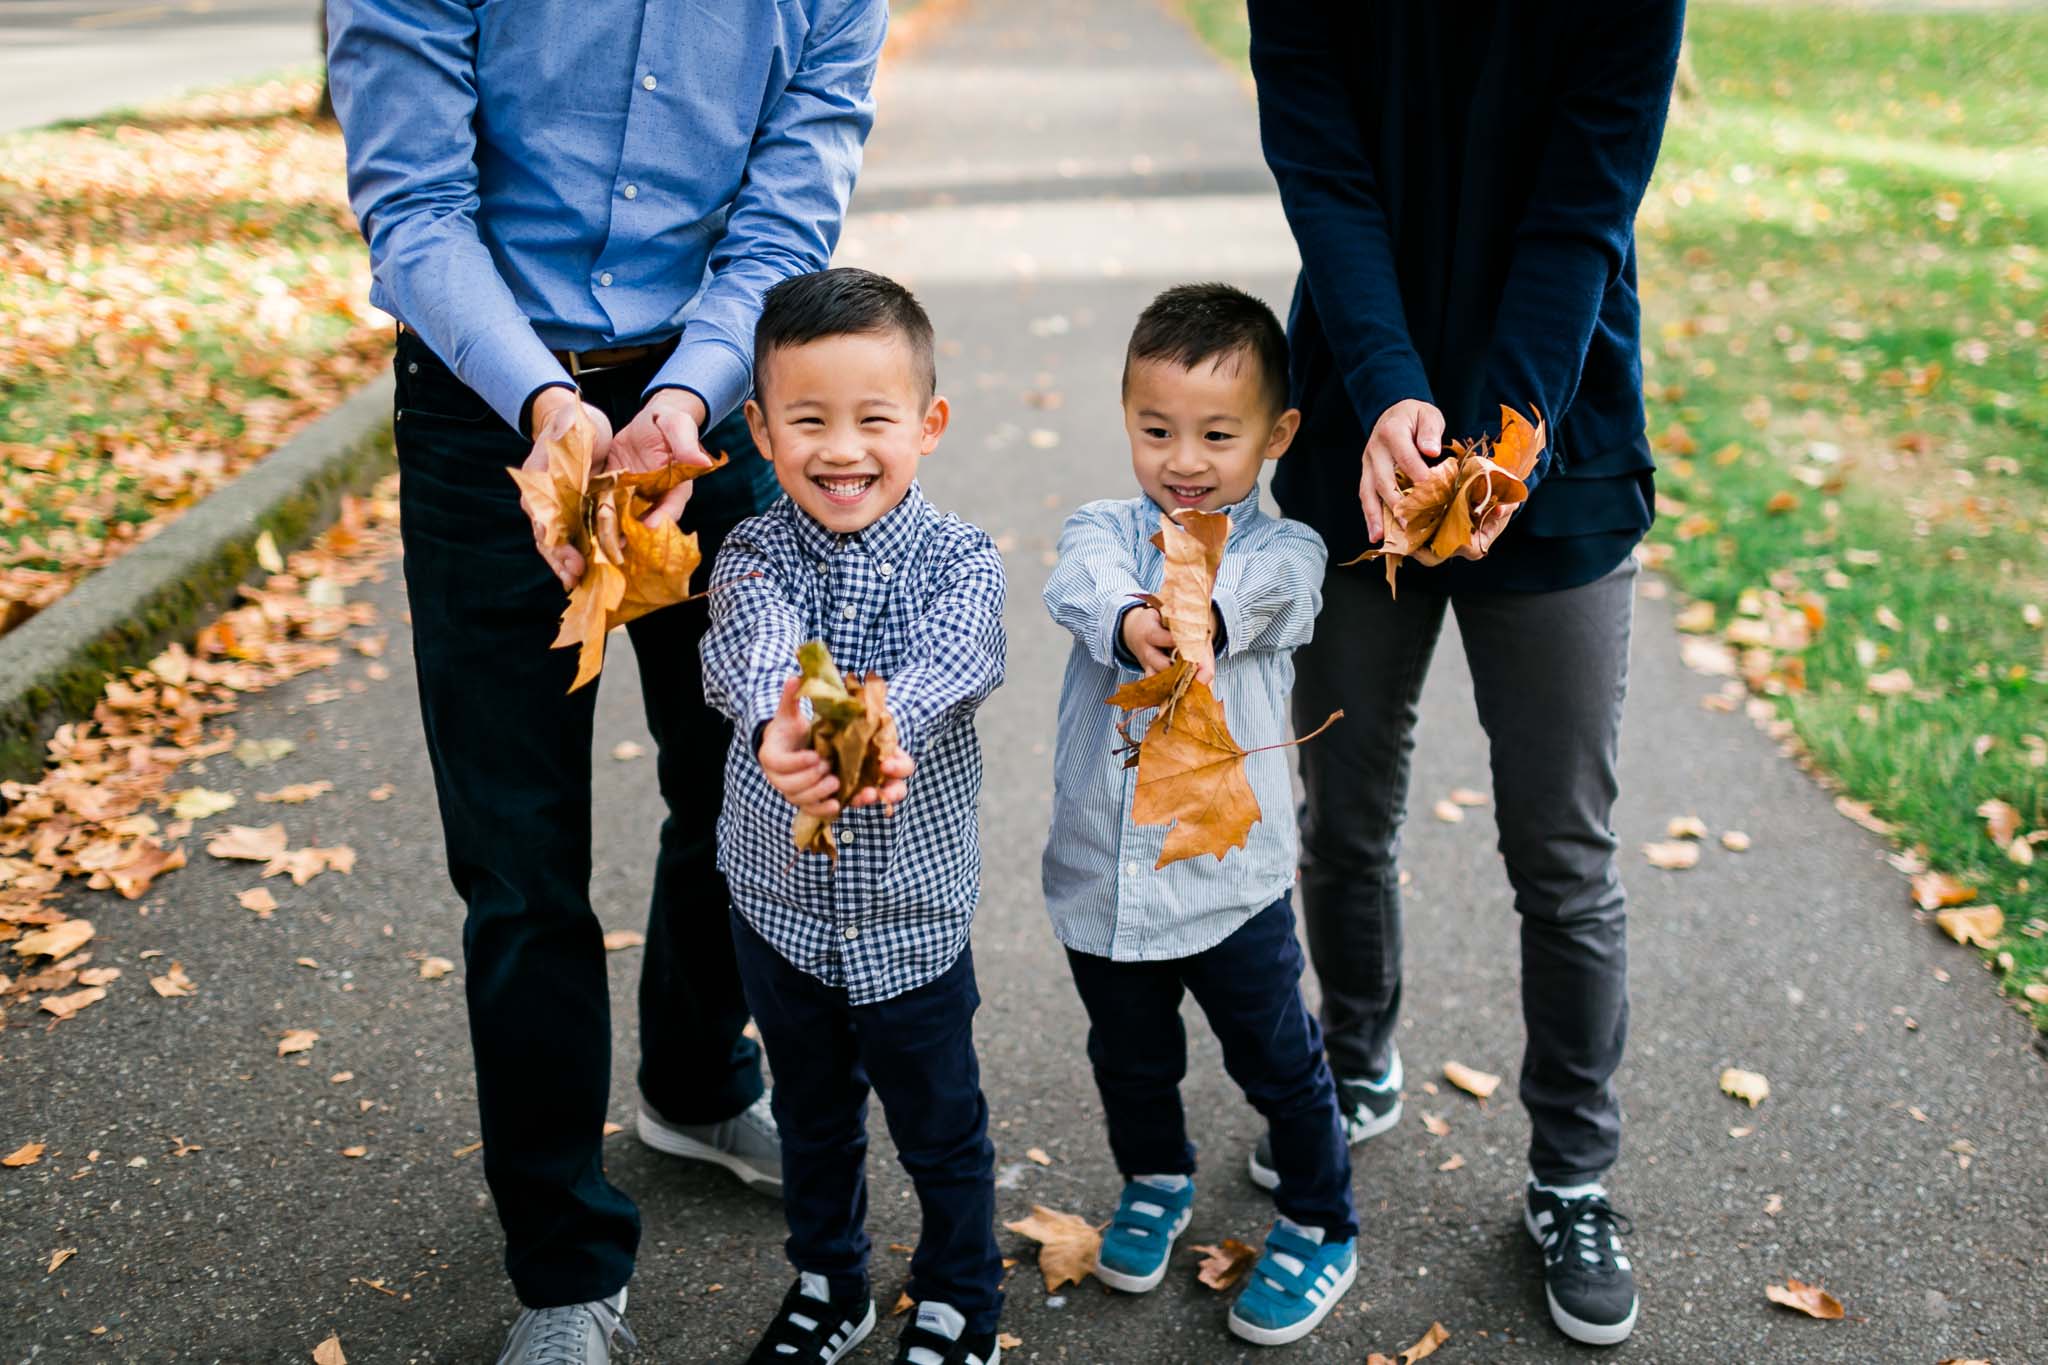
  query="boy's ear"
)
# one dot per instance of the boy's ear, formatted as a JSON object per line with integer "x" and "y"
{"x": 1284, "y": 428}
{"x": 937, "y": 414}
{"x": 757, "y": 426}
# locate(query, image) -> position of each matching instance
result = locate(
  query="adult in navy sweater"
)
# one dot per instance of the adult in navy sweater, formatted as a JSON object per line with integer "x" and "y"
{"x": 1462, "y": 181}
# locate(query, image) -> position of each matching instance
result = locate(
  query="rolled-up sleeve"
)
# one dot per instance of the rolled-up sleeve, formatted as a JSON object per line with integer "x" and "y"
{"x": 1268, "y": 597}
{"x": 750, "y": 648}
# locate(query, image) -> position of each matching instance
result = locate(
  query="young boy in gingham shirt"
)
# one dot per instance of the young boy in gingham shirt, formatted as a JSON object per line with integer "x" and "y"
{"x": 857, "y": 969}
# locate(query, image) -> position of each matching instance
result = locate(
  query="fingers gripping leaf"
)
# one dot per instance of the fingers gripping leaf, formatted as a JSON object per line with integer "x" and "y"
{"x": 1438, "y": 516}
{"x": 851, "y": 729}
{"x": 632, "y": 568}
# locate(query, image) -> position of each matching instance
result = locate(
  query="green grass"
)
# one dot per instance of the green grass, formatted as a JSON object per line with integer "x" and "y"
{"x": 1846, "y": 299}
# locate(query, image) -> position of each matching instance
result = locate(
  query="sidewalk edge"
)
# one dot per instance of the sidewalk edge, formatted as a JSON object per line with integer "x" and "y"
{"x": 54, "y": 666}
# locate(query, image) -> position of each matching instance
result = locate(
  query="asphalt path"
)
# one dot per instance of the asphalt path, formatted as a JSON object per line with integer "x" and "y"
{"x": 1040, "y": 169}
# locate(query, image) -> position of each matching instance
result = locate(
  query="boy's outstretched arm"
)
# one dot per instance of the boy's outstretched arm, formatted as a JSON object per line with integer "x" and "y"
{"x": 1094, "y": 583}
{"x": 954, "y": 657}
{"x": 1268, "y": 599}
{"x": 750, "y": 648}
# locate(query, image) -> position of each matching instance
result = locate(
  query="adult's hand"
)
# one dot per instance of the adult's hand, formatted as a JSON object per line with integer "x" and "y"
{"x": 1407, "y": 436}
{"x": 555, "y": 411}
{"x": 669, "y": 430}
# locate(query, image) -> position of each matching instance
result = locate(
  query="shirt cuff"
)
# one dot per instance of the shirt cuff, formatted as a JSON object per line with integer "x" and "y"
{"x": 510, "y": 372}
{"x": 712, "y": 370}
{"x": 1229, "y": 617}
{"x": 1123, "y": 656}
{"x": 1376, "y": 388}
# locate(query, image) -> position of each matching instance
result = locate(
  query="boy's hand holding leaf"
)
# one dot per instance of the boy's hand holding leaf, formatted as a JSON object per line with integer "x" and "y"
{"x": 845, "y": 756}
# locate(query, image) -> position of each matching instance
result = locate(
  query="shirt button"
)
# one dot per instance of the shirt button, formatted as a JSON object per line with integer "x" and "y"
{"x": 647, "y": 82}
{"x": 605, "y": 279}
{"x": 1130, "y": 869}
{"x": 413, "y": 367}
{"x": 885, "y": 569}
{"x": 848, "y": 611}
{"x": 824, "y": 566}
{"x": 853, "y": 931}
{"x": 846, "y": 838}
{"x": 632, "y": 191}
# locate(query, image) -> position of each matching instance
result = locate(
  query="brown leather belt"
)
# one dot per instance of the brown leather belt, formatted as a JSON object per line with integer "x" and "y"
{"x": 579, "y": 363}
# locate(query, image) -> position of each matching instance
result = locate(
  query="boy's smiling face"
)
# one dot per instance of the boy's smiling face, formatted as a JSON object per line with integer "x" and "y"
{"x": 1200, "y": 435}
{"x": 845, "y": 420}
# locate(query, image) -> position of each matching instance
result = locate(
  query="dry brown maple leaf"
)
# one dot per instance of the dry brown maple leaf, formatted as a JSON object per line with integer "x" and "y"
{"x": 1476, "y": 1083}
{"x": 1433, "y": 1338}
{"x": 1749, "y": 1086}
{"x": 28, "y": 1154}
{"x": 1192, "y": 544}
{"x": 1067, "y": 1245}
{"x": 1437, "y": 516}
{"x": 851, "y": 729}
{"x": 1938, "y": 890}
{"x": 1982, "y": 925}
{"x": 248, "y": 842}
{"x": 1809, "y": 1299}
{"x": 329, "y": 1352}
{"x": 1223, "y": 1266}
{"x": 630, "y": 568}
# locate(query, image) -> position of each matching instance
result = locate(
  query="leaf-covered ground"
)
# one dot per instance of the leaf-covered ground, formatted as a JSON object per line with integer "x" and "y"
{"x": 179, "y": 290}
{"x": 1846, "y": 295}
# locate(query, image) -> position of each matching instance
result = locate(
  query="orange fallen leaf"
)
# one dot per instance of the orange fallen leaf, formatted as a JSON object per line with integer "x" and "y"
{"x": 1466, "y": 796}
{"x": 64, "y": 1006}
{"x": 1223, "y": 1266}
{"x": 259, "y": 899}
{"x": 304, "y": 864}
{"x": 57, "y": 941}
{"x": 1433, "y": 1338}
{"x": 1456, "y": 1163}
{"x": 99, "y": 976}
{"x": 1479, "y": 1084}
{"x": 1982, "y": 925}
{"x": 296, "y": 794}
{"x": 28, "y": 1154}
{"x": 434, "y": 968}
{"x": 328, "y": 1352}
{"x": 173, "y": 983}
{"x": 59, "y": 1257}
{"x": 1809, "y": 1299}
{"x": 1934, "y": 890}
{"x": 2001, "y": 821}
{"x": 1009, "y": 1341}
{"x": 618, "y": 939}
{"x": 1735, "y": 841}
{"x": 297, "y": 1040}
{"x": 353, "y": 1152}
{"x": 611, "y": 1128}
{"x": 1068, "y": 1245}
{"x": 1685, "y": 827}
{"x": 1861, "y": 813}
{"x": 248, "y": 843}
{"x": 1435, "y": 1124}
{"x": 1750, "y": 1086}
{"x": 904, "y": 1303}
{"x": 1038, "y": 1156}
{"x": 1450, "y": 812}
{"x": 471, "y": 1150}
{"x": 1674, "y": 856}
{"x": 147, "y": 861}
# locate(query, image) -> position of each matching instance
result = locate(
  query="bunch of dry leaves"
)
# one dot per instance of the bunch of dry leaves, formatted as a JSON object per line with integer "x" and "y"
{"x": 851, "y": 729}
{"x": 631, "y": 567}
{"x": 103, "y": 811}
{"x": 1190, "y": 770}
{"x": 1439, "y": 515}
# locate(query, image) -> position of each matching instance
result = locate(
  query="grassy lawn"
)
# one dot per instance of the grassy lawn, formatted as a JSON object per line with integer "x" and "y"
{"x": 1847, "y": 294}
{"x": 179, "y": 290}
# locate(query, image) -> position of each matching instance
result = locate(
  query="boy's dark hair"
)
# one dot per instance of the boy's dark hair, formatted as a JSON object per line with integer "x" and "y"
{"x": 1192, "y": 323}
{"x": 844, "y": 301}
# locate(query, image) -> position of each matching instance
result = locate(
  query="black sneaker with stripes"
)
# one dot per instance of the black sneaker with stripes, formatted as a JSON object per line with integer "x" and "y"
{"x": 938, "y": 1336}
{"x": 811, "y": 1328}
{"x": 1586, "y": 1274}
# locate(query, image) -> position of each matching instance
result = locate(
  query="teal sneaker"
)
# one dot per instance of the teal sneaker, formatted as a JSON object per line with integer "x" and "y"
{"x": 1139, "y": 1242}
{"x": 1294, "y": 1286}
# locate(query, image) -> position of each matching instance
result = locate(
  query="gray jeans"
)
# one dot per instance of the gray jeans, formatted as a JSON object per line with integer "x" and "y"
{"x": 1549, "y": 671}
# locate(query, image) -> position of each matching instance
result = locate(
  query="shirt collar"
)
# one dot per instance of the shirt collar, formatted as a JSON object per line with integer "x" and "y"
{"x": 888, "y": 539}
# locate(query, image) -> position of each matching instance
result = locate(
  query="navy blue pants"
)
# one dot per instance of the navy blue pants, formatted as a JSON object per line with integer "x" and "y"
{"x": 1249, "y": 987}
{"x": 917, "y": 1052}
{"x": 510, "y": 746}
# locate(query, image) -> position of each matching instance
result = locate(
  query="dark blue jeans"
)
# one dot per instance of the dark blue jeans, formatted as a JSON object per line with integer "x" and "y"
{"x": 917, "y": 1051}
{"x": 511, "y": 754}
{"x": 1249, "y": 987}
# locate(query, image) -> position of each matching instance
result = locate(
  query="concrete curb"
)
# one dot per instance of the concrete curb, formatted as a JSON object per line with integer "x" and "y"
{"x": 53, "y": 667}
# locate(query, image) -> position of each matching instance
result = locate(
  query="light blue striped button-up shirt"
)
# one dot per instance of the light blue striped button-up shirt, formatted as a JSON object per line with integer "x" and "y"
{"x": 1100, "y": 886}
{"x": 578, "y": 174}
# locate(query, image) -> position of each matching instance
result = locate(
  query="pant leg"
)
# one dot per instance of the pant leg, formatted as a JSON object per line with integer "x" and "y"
{"x": 918, "y": 1048}
{"x": 1369, "y": 657}
{"x": 821, "y": 1107}
{"x": 1249, "y": 987}
{"x": 1549, "y": 671}
{"x": 510, "y": 749}
{"x": 1138, "y": 1048}
{"x": 696, "y": 1063}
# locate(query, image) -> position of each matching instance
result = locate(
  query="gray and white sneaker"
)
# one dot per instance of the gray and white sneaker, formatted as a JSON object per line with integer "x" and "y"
{"x": 745, "y": 1144}
{"x": 1368, "y": 1108}
{"x": 580, "y": 1334}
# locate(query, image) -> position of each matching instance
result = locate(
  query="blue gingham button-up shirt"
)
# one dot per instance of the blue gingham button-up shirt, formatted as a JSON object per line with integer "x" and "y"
{"x": 1100, "y": 886}
{"x": 918, "y": 596}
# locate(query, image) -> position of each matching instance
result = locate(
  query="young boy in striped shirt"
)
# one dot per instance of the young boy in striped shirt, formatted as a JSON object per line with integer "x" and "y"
{"x": 857, "y": 967}
{"x": 1205, "y": 406}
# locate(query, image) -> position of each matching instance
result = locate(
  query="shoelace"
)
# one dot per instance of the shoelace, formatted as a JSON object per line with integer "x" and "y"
{"x": 561, "y": 1334}
{"x": 1578, "y": 1222}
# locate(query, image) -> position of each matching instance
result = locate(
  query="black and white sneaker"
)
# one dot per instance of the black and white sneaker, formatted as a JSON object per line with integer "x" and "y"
{"x": 1586, "y": 1275}
{"x": 938, "y": 1336}
{"x": 811, "y": 1329}
{"x": 1369, "y": 1108}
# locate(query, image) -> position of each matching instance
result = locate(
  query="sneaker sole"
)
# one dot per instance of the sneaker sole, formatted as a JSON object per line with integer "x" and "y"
{"x": 1280, "y": 1336}
{"x": 1138, "y": 1284}
{"x": 661, "y": 1138}
{"x": 1266, "y": 1178}
{"x": 860, "y": 1334}
{"x": 1578, "y": 1329}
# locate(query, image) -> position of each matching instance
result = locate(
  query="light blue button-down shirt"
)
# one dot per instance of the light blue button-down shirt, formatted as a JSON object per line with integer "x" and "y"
{"x": 1100, "y": 886}
{"x": 577, "y": 174}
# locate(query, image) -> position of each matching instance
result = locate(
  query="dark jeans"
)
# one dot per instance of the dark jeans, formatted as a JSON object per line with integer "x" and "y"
{"x": 1249, "y": 987}
{"x": 1549, "y": 671}
{"x": 511, "y": 753}
{"x": 917, "y": 1051}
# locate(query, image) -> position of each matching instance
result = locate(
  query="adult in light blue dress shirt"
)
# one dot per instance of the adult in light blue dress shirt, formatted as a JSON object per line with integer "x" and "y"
{"x": 584, "y": 200}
